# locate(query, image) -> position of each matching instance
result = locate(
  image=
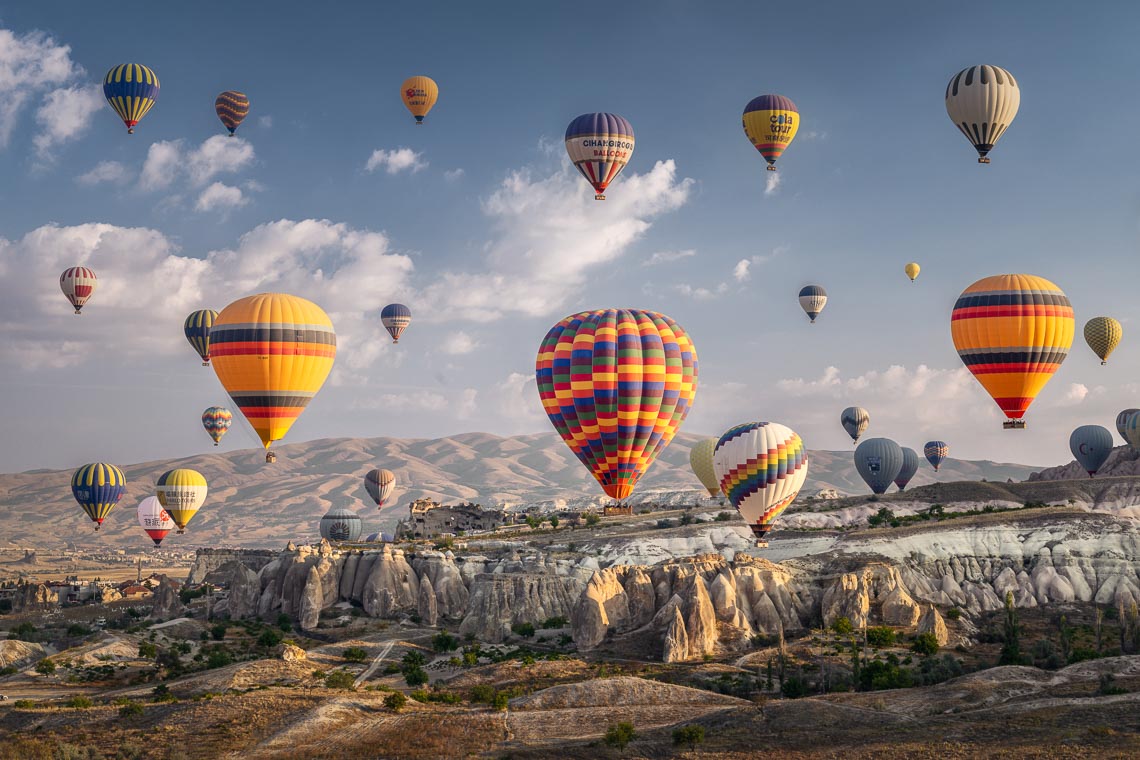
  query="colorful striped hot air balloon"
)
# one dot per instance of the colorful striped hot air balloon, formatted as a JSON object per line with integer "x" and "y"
{"x": 395, "y": 317}
{"x": 217, "y": 420}
{"x": 771, "y": 123}
{"x": 600, "y": 145}
{"x": 909, "y": 468}
{"x": 419, "y": 95}
{"x": 1103, "y": 335}
{"x": 878, "y": 461}
{"x": 812, "y": 300}
{"x": 936, "y": 453}
{"x": 1091, "y": 445}
{"x": 982, "y": 101}
{"x": 182, "y": 492}
{"x": 854, "y": 420}
{"x": 1012, "y": 332}
{"x": 232, "y": 107}
{"x": 197, "y": 328}
{"x": 701, "y": 460}
{"x": 761, "y": 467}
{"x": 131, "y": 89}
{"x": 616, "y": 384}
{"x": 272, "y": 353}
{"x": 98, "y": 487}
{"x": 78, "y": 284}
{"x": 379, "y": 484}
{"x": 154, "y": 519}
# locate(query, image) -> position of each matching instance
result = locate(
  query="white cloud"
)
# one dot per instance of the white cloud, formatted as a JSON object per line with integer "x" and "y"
{"x": 220, "y": 196}
{"x": 104, "y": 171}
{"x": 167, "y": 161}
{"x": 453, "y": 175}
{"x": 772, "y": 183}
{"x": 467, "y": 406}
{"x": 458, "y": 343}
{"x": 64, "y": 115}
{"x": 396, "y": 161}
{"x": 265, "y": 121}
{"x": 740, "y": 272}
{"x": 163, "y": 160}
{"x": 549, "y": 235}
{"x": 516, "y": 403}
{"x": 422, "y": 401}
{"x": 703, "y": 294}
{"x": 29, "y": 64}
{"x": 667, "y": 257}
{"x": 1076, "y": 393}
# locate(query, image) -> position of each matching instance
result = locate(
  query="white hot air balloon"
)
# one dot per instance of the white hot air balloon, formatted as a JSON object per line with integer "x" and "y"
{"x": 761, "y": 467}
{"x": 982, "y": 101}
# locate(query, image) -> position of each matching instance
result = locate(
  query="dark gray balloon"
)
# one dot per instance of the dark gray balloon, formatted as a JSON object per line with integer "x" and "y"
{"x": 341, "y": 525}
{"x": 879, "y": 461}
{"x": 1091, "y": 445}
{"x": 909, "y": 467}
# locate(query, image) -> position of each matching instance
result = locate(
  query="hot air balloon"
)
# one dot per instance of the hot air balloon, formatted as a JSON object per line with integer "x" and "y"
{"x": 1122, "y": 422}
{"x": 1012, "y": 332}
{"x": 197, "y": 328}
{"x": 701, "y": 460}
{"x": 419, "y": 95}
{"x": 879, "y": 461}
{"x": 936, "y": 452}
{"x": 1131, "y": 432}
{"x": 616, "y": 384}
{"x": 912, "y": 269}
{"x": 812, "y": 300}
{"x": 1091, "y": 445}
{"x": 98, "y": 487}
{"x": 909, "y": 468}
{"x": 761, "y": 466}
{"x": 1103, "y": 335}
{"x": 131, "y": 89}
{"x": 771, "y": 123}
{"x": 395, "y": 317}
{"x": 600, "y": 145}
{"x": 78, "y": 283}
{"x": 232, "y": 107}
{"x": 340, "y": 524}
{"x": 154, "y": 519}
{"x": 182, "y": 492}
{"x": 217, "y": 420}
{"x": 380, "y": 484}
{"x": 272, "y": 353}
{"x": 982, "y": 101}
{"x": 855, "y": 420}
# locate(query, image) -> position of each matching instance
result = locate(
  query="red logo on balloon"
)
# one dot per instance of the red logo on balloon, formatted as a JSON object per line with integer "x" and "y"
{"x": 410, "y": 92}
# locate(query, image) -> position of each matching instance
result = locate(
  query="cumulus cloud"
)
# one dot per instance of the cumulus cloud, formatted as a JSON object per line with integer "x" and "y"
{"x": 220, "y": 196}
{"x": 30, "y": 65}
{"x": 396, "y": 161}
{"x": 168, "y": 161}
{"x": 64, "y": 115}
{"x": 104, "y": 171}
{"x": 702, "y": 294}
{"x": 458, "y": 343}
{"x": 742, "y": 272}
{"x": 668, "y": 257}
{"x": 515, "y": 400}
{"x": 454, "y": 175}
{"x": 772, "y": 183}
{"x": 163, "y": 161}
{"x": 265, "y": 121}
{"x": 549, "y": 235}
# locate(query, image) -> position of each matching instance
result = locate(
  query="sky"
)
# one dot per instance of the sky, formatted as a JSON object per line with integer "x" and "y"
{"x": 479, "y": 223}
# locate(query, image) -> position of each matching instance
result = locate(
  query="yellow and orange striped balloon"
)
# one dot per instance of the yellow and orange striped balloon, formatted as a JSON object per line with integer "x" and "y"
{"x": 1012, "y": 332}
{"x": 272, "y": 353}
{"x": 419, "y": 95}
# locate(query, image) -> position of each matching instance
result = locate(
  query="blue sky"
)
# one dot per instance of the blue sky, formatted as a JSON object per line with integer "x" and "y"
{"x": 490, "y": 237}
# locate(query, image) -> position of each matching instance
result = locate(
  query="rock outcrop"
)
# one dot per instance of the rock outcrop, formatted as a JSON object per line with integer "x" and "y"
{"x": 34, "y": 597}
{"x": 165, "y": 604}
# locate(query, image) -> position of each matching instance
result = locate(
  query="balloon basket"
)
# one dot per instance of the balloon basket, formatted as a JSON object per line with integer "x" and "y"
{"x": 599, "y": 197}
{"x": 206, "y": 364}
{"x": 1103, "y": 363}
{"x": 983, "y": 160}
{"x": 770, "y": 168}
{"x": 270, "y": 457}
{"x": 77, "y": 311}
{"x": 1014, "y": 424}
{"x": 761, "y": 544}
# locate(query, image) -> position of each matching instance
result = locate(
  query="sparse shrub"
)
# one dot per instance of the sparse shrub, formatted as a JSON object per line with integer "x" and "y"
{"x": 395, "y": 701}
{"x": 79, "y": 703}
{"x": 354, "y": 654}
{"x": 879, "y": 674}
{"x": 723, "y": 516}
{"x": 664, "y": 524}
{"x": 24, "y": 704}
{"x": 340, "y": 679}
{"x": 24, "y": 632}
{"x": 880, "y": 636}
{"x": 842, "y": 626}
{"x": 218, "y": 658}
{"x": 553, "y": 521}
{"x": 483, "y": 693}
{"x": 470, "y": 658}
{"x": 45, "y": 667}
{"x": 9, "y": 670}
{"x": 130, "y": 710}
{"x": 953, "y": 613}
{"x": 76, "y": 629}
{"x": 925, "y": 644}
{"x": 885, "y": 516}
{"x": 416, "y": 676}
{"x": 526, "y": 630}
{"x": 592, "y": 520}
{"x": 1045, "y": 655}
{"x": 391, "y": 669}
{"x": 161, "y": 693}
{"x": 219, "y": 631}
{"x": 692, "y": 735}
{"x": 284, "y": 623}
{"x": 794, "y": 687}
{"x": 556, "y": 621}
{"x": 444, "y": 642}
{"x": 619, "y": 735}
{"x": 501, "y": 701}
{"x": 1108, "y": 686}
{"x": 269, "y": 638}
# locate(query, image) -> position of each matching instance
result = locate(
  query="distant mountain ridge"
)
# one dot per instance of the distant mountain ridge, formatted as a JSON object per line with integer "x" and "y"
{"x": 251, "y": 503}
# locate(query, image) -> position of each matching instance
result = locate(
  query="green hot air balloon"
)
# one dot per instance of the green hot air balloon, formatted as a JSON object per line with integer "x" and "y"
{"x": 701, "y": 460}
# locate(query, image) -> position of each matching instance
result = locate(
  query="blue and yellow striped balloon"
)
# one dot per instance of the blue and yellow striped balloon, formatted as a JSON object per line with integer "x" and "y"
{"x": 131, "y": 89}
{"x": 197, "y": 328}
{"x": 98, "y": 487}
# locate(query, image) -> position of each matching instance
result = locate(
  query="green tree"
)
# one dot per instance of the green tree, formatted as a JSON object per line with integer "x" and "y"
{"x": 415, "y": 677}
{"x": 395, "y": 701}
{"x": 533, "y": 521}
{"x": 842, "y": 626}
{"x": 284, "y": 622}
{"x": 619, "y": 735}
{"x": 147, "y": 650}
{"x": 45, "y": 667}
{"x": 925, "y": 644}
{"x": 1011, "y": 635}
{"x": 219, "y": 631}
{"x": 592, "y": 519}
{"x": 269, "y": 638}
{"x": 354, "y": 654}
{"x": 526, "y": 630}
{"x": 340, "y": 679}
{"x": 130, "y": 710}
{"x": 794, "y": 687}
{"x": 723, "y": 516}
{"x": 880, "y": 636}
{"x": 883, "y": 517}
{"x": 553, "y": 521}
{"x": 692, "y": 735}
{"x": 218, "y": 658}
{"x": 414, "y": 659}
{"x": 444, "y": 642}
{"x": 501, "y": 701}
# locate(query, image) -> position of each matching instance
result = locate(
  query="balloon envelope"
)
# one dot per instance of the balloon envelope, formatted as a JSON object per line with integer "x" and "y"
{"x": 616, "y": 384}
{"x": 341, "y": 525}
{"x": 1122, "y": 422}
{"x": 909, "y": 468}
{"x": 131, "y": 89}
{"x": 599, "y": 146}
{"x": 770, "y": 123}
{"x": 78, "y": 284}
{"x": 912, "y": 269}
{"x": 878, "y": 461}
{"x": 855, "y": 420}
{"x": 701, "y": 460}
{"x": 812, "y": 300}
{"x": 98, "y": 487}
{"x": 272, "y": 353}
{"x": 761, "y": 467}
{"x": 380, "y": 484}
{"x": 1103, "y": 335}
{"x": 419, "y": 95}
{"x": 154, "y": 519}
{"x": 936, "y": 452}
{"x": 982, "y": 101}
{"x": 197, "y": 329}
{"x": 182, "y": 492}
{"x": 395, "y": 317}
{"x": 1012, "y": 331}
{"x": 217, "y": 420}
{"x": 232, "y": 107}
{"x": 1091, "y": 445}
{"x": 1131, "y": 432}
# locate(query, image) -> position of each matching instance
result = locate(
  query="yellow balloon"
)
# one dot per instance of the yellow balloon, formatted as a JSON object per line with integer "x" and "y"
{"x": 912, "y": 270}
{"x": 419, "y": 94}
{"x": 272, "y": 353}
{"x": 182, "y": 493}
{"x": 1103, "y": 335}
